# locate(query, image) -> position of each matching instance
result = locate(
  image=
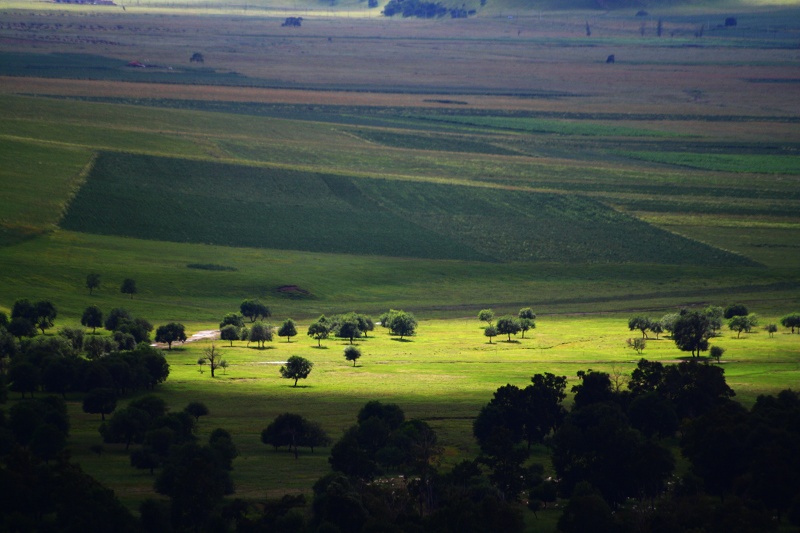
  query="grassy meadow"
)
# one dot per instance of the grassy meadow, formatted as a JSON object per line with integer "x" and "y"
{"x": 436, "y": 166}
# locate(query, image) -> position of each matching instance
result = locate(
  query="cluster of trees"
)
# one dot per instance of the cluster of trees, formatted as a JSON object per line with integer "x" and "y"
{"x": 692, "y": 329}
{"x": 612, "y": 455}
{"x": 292, "y": 430}
{"x": 507, "y": 325}
{"x": 424, "y": 9}
{"x": 346, "y": 326}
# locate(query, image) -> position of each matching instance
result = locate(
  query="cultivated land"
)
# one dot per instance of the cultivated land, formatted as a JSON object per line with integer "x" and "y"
{"x": 440, "y": 167}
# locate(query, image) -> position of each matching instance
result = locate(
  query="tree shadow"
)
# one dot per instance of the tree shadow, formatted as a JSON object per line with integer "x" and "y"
{"x": 700, "y": 359}
{"x": 402, "y": 340}
{"x": 260, "y": 348}
{"x": 512, "y": 341}
{"x": 320, "y": 347}
{"x": 301, "y": 387}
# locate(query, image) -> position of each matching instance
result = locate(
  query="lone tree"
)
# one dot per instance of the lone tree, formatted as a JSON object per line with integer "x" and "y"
{"x": 771, "y": 329}
{"x": 92, "y": 318}
{"x": 486, "y": 315}
{"x": 213, "y": 358}
{"x": 319, "y": 330}
{"x": 92, "y": 282}
{"x": 197, "y": 57}
{"x": 352, "y": 353}
{"x": 637, "y": 344}
{"x": 254, "y": 310}
{"x": 128, "y": 287}
{"x": 296, "y": 368}
{"x": 287, "y": 329}
{"x": 196, "y": 409}
{"x": 526, "y": 324}
{"x": 508, "y": 325}
{"x": 169, "y": 333}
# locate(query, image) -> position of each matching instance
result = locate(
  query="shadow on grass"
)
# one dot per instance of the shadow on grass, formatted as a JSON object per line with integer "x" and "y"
{"x": 512, "y": 341}
{"x": 402, "y": 340}
{"x": 320, "y": 347}
{"x": 701, "y": 359}
{"x": 300, "y": 386}
{"x": 260, "y": 348}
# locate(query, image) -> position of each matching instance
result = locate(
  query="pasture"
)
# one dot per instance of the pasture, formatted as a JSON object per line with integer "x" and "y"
{"x": 439, "y": 167}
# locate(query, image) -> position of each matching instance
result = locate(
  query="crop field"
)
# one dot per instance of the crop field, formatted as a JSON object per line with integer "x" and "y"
{"x": 436, "y": 166}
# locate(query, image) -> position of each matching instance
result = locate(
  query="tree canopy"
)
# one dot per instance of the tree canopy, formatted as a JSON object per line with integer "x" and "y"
{"x": 296, "y": 368}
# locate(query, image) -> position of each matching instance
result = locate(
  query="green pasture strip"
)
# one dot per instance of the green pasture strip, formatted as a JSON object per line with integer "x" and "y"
{"x": 718, "y": 206}
{"x": 37, "y": 180}
{"x": 751, "y": 163}
{"x": 346, "y": 114}
{"x": 432, "y": 142}
{"x": 559, "y": 127}
{"x": 179, "y": 200}
{"x": 442, "y": 375}
{"x": 55, "y": 266}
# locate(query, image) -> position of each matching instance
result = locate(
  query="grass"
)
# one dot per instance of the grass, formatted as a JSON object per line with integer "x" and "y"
{"x": 447, "y": 359}
{"x": 786, "y": 164}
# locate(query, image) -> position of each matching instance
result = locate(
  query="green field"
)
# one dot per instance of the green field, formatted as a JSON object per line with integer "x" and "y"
{"x": 362, "y": 163}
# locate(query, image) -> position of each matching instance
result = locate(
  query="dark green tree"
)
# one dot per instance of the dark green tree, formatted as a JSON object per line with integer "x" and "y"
{"x": 229, "y": 333}
{"x": 169, "y": 333}
{"x": 21, "y": 327}
{"x": 508, "y": 325}
{"x": 45, "y": 314}
{"x": 319, "y": 330}
{"x": 792, "y": 320}
{"x": 486, "y": 315}
{"x": 196, "y": 409}
{"x": 254, "y": 310}
{"x": 103, "y": 401}
{"x": 401, "y": 323}
{"x": 346, "y": 327}
{"x": 232, "y": 319}
{"x": 735, "y": 310}
{"x": 352, "y": 353}
{"x": 642, "y": 323}
{"x": 260, "y": 333}
{"x": 287, "y": 329}
{"x": 691, "y": 332}
{"x": 92, "y": 282}
{"x": 490, "y": 331}
{"x": 24, "y": 377}
{"x": 128, "y": 287}
{"x": 296, "y": 368}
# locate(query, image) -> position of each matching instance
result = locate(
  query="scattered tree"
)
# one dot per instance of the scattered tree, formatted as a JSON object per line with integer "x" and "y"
{"x": 735, "y": 310}
{"x": 742, "y": 323}
{"x": 92, "y": 318}
{"x": 254, "y": 310}
{"x": 771, "y": 329}
{"x": 260, "y": 333}
{"x": 213, "y": 358}
{"x": 637, "y": 344}
{"x": 691, "y": 332}
{"x": 287, "y": 329}
{"x": 642, "y": 323}
{"x": 399, "y": 322}
{"x": 486, "y": 315}
{"x": 196, "y": 409}
{"x": 319, "y": 330}
{"x": 490, "y": 332}
{"x": 92, "y": 282}
{"x": 128, "y": 287}
{"x": 197, "y": 57}
{"x": 296, "y": 368}
{"x": 232, "y": 319}
{"x": 715, "y": 352}
{"x": 229, "y": 333}
{"x": 508, "y": 325}
{"x": 792, "y": 320}
{"x": 527, "y": 312}
{"x": 526, "y": 324}
{"x": 169, "y": 333}
{"x": 346, "y": 327}
{"x": 352, "y": 353}
{"x": 21, "y": 327}
{"x": 102, "y": 401}
{"x": 292, "y": 430}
